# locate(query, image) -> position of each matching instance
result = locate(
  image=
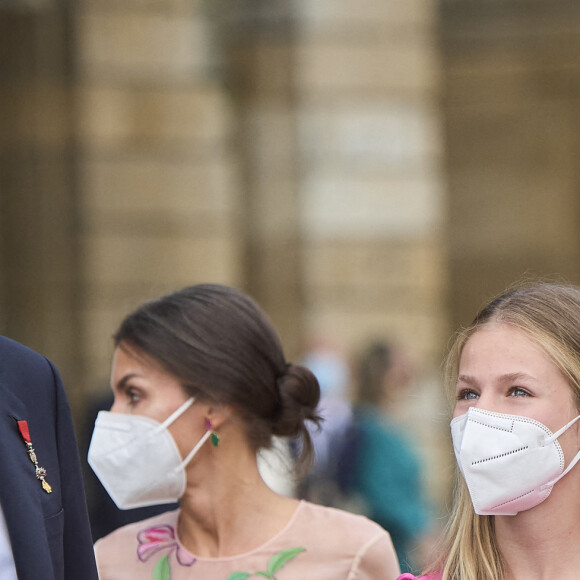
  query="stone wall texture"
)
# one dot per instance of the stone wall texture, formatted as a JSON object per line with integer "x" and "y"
{"x": 365, "y": 170}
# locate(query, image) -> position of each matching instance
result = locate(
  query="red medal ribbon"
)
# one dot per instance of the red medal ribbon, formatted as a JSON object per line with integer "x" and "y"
{"x": 23, "y": 428}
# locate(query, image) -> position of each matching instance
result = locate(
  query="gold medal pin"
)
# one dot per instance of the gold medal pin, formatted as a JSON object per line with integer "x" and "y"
{"x": 40, "y": 471}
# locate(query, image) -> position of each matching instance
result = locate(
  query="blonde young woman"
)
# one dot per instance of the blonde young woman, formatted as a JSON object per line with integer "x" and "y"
{"x": 201, "y": 385}
{"x": 515, "y": 377}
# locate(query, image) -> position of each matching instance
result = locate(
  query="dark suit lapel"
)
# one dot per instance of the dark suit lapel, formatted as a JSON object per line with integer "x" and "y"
{"x": 20, "y": 494}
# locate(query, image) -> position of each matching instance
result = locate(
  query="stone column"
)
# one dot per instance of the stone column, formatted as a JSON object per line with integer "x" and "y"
{"x": 160, "y": 205}
{"x": 512, "y": 132}
{"x": 372, "y": 190}
{"x": 259, "y": 40}
{"x": 38, "y": 225}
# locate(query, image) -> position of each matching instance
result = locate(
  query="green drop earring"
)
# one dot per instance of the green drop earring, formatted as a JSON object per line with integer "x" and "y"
{"x": 214, "y": 437}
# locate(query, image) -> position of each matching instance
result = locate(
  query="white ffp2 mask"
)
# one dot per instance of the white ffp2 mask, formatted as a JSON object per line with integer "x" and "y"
{"x": 137, "y": 460}
{"x": 510, "y": 463}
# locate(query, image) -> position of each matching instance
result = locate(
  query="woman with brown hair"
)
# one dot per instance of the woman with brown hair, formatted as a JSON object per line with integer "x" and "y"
{"x": 514, "y": 378}
{"x": 201, "y": 385}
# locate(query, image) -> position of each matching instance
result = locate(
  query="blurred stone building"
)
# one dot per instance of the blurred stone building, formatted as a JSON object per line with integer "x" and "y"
{"x": 363, "y": 169}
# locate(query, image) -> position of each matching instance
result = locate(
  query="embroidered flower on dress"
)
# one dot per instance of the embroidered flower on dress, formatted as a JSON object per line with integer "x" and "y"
{"x": 158, "y": 538}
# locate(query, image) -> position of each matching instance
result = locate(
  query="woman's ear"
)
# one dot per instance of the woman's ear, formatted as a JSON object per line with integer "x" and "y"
{"x": 217, "y": 415}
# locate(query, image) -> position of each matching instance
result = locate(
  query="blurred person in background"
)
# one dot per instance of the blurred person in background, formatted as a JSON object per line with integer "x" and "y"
{"x": 387, "y": 476}
{"x": 328, "y": 482}
{"x": 44, "y": 526}
{"x": 201, "y": 385}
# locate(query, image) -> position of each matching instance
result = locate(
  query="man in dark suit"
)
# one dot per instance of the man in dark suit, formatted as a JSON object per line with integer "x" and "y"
{"x": 44, "y": 527}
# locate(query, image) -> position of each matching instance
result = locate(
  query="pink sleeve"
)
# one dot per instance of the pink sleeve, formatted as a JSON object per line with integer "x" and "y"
{"x": 376, "y": 560}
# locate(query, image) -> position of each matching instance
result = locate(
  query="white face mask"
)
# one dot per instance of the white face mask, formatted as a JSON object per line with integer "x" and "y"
{"x": 137, "y": 459}
{"x": 510, "y": 463}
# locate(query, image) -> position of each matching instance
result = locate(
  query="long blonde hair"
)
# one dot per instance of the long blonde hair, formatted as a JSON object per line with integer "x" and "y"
{"x": 549, "y": 314}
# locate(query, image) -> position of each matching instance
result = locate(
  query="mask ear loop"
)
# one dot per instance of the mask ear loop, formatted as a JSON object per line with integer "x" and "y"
{"x": 191, "y": 454}
{"x": 574, "y": 461}
{"x": 561, "y": 431}
{"x": 175, "y": 415}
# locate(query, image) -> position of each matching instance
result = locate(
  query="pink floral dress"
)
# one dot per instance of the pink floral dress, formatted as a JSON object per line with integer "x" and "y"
{"x": 318, "y": 542}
